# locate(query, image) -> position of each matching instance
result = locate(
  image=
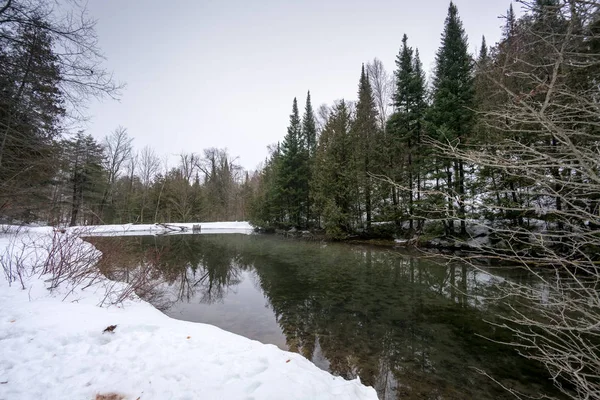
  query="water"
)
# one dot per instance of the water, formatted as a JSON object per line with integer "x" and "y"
{"x": 410, "y": 326}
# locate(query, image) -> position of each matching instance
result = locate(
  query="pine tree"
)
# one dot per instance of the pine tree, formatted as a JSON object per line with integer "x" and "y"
{"x": 419, "y": 110}
{"x": 309, "y": 136}
{"x": 452, "y": 115}
{"x": 335, "y": 179}
{"x": 367, "y": 141}
{"x": 31, "y": 107}
{"x": 309, "y": 129}
{"x": 293, "y": 177}
{"x": 483, "y": 52}
{"x": 404, "y": 77}
{"x": 83, "y": 157}
{"x": 509, "y": 28}
{"x": 406, "y": 124}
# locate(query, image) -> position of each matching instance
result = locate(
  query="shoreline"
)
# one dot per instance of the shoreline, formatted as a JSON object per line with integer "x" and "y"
{"x": 59, "y": 335}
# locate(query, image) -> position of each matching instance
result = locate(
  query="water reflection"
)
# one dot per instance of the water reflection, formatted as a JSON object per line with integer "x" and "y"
{"x": 408, "y": 326}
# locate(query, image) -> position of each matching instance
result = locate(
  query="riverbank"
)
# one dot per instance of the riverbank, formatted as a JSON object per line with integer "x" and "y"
{"x": 385, "y": 235}
{"x": 56, "y": 346}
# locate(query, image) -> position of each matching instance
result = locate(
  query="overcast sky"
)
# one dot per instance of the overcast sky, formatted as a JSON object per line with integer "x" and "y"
{"x": 203, "y": 74}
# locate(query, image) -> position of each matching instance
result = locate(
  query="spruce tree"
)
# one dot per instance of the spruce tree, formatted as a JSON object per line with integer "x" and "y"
{"x": 293, "y": 179}
{"x": 406, "y": 125}
{"x": 404, "y": 77}
{"x": 335, "y": 179}
{"x": 452, "y": 114}
{"x": 419, "y": 110}
{"x": 309, "y": 138}
{"x": 309, "y": 129}
{"x": 83, "y": 165}
{"x": 483, "y": 52}
{"x": 509, "y": 28}
{"x": 367, "y": 142}
{"x": 31, "y": 110}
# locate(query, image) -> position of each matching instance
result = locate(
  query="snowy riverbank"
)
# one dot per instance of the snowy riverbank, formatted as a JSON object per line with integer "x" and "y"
{"x": 54, "y": 346}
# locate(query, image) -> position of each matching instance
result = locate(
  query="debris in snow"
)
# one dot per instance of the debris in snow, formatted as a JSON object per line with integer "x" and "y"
{"x": 110, "y": 328}
{"x": 110, "y": 396}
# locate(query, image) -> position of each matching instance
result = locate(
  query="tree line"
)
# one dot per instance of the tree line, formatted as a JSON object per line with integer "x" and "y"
{"x": 51, "y": 171}
{"x": 394, "y": 157}
{"x": 372, "y": 166}
{"x": 504, "y": 142}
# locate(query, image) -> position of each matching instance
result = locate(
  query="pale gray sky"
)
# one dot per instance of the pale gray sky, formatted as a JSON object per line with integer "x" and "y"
{"x": 209, "y": 73}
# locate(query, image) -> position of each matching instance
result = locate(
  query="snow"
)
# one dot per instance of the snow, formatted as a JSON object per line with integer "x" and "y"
{"x": 55, "y": 349}
{"x": 136, "y": 229}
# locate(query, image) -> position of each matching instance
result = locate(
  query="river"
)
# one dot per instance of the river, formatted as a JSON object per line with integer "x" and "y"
{"x": 409, "y": 325}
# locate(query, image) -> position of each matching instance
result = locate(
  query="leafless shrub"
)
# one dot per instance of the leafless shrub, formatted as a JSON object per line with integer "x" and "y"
{"x": 125, "y": 284}
{"x": 14, "y": 261}
{"x": 129, "y": 275}
{"x": 70, "y": 260}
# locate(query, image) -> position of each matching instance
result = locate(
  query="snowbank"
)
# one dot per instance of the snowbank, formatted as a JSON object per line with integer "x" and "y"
{"x": 55, "y": 349}
{"x": 153, "y": 229}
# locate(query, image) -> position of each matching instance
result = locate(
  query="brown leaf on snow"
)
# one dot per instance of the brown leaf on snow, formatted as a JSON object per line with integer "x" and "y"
{"x": 189, "y": 337}
{"x": 288, "y": 360}
{"x": 110, "y": 328}
{"x": 110, "y": 396}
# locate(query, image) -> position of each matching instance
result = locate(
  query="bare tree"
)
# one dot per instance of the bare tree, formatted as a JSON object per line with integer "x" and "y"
{"x": 183, "y": 194}
{"x": 383, "y": 87}
{"x": 149, "y": 164}
{"x": 117, "y": 149}
{"x": 162, "y": 187}
{"x": 75, "y": 43}
{"x": 221, "y": 176}
{"x": 322, "y": 116}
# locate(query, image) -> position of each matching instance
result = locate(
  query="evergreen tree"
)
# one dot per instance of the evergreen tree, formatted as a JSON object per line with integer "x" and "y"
{"x": 483, "y": 52}
{"x": 509, "y": 27}
{"x": 292, "y": 174}
{"x": 367, "y": 142}
{"x": 335, "y": 179}
{"x": 31, "y": 108}
{"x": 309, "y": 129}
{"x": 309, "y": 136}
{"x": 84, "y": 158}
{"x": 452, "y": 116}
{"x": 406, "y": 125}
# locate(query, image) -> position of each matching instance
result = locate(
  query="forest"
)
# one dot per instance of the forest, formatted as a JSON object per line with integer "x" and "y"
{"x": 505, "y": 142}
{"x": 52, "y": 171}
{"x": 507, "y": 136}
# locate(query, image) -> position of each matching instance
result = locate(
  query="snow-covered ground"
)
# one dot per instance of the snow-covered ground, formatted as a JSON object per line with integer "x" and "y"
{"x": 137, "y": 229}
{"x": 53, "y": 345}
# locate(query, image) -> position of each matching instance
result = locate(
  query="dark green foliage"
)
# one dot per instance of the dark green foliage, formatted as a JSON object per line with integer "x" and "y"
{"x": 309, "y": 138}
{"x": 405, "y": 129}
{"x": 293, "y": 172}
{"x": 309, "y": 129}
{"x": 31, "y": 107}
{"x": 483, "y": 53}
{"x": 83, "y": 158}
{"x": 335, "y": 180}
{"x": 367, "y": 141}
{"x": 452, "y": 114}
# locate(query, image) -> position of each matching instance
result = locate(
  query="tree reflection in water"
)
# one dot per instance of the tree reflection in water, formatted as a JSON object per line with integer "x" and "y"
{"x": 408, "y": 326}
